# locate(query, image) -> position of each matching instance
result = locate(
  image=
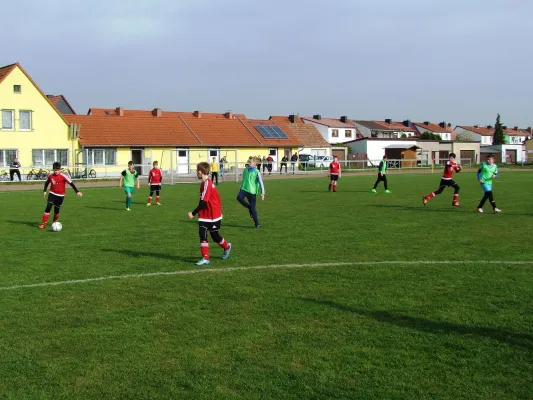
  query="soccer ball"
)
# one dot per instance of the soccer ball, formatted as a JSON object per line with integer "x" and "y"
{"x": 56, "y": 226}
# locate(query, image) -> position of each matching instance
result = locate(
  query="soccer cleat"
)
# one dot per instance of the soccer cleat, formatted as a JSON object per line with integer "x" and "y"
{"x": 374, "y": 191}
{"x": 497, "y": 211}
{"x": 42, "y": 226}
{"x": 258, "y": 226}
{"x": 479, "y": 210}
{"x": 225, "y": 254}
{"x": 128, "y": 209}
{"x": 387, "y": 191}
{"x": 456, "y": 205}
{"x": 424, "y": 200}
{"x": 148, "y": 204}
{"x": 158, "y": 203}
{"x": 203, "y": 261}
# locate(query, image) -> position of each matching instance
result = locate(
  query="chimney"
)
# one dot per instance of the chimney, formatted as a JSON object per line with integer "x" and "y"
{"x": 197, "y": 114}
{"x": 157, "y": 112}
{"x": 476, "y": 126}
{"x": 504, "y": 128}
{"x": 426, "y": 123}
{"x": 344, "y": 119}
{"x": 407, "y": 123}
{"x": 515, "y": 128}
{"x": 449, "y": 125}
{"x": 317, "y": 116}
{"x": 489, "y": 126}
{"x": 293, "y": 118}
{"x": 228, "y": 115}
{"x": 529, "y": 130}
{"x": 443, "y": 124}
{"x": 388, "y": 121}
{"x": 119, "y": 111}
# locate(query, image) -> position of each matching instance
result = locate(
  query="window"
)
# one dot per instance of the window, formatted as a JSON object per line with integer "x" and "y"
{"x": 182, "y": 153}
{"x": 8, "y": 117}
{"x": 6, "y": 156}
{"x": 213, "y": 153}
{"x": 334, "y": 133}
{"x": 25, "y": 120}
{"x": 45, "y": 158}
{"x": 101, "y": 156}
{"x": 17, "y": 89}
{"x": 348, "y": 133}
{"x": 272, "y": 152}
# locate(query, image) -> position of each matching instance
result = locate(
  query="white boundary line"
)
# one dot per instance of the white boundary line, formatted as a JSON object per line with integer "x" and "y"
{"x": 258, "y": 267}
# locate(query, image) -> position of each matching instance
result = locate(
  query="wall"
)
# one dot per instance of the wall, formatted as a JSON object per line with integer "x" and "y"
{"x": 49, "y": 130}
{"x": 458, "y": 146}
{"x": 375, "y": 149}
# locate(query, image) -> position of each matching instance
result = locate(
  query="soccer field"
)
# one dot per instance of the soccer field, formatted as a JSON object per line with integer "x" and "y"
{"x": 347, "y": 295}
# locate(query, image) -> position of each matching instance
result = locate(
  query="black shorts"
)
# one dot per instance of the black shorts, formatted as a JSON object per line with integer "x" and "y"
{"x": 57, "y": 201}
{"x": 334, "y": 177}
{"x": 447, "y": 182}
{"x": 204, "y": 227}
{"x": 155, "y": 187}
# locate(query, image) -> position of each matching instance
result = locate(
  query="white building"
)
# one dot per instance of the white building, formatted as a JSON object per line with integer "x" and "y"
{"x": 444, "y": 130}
{"x": 387, "y": 129}
{"x": 334, "y": 131}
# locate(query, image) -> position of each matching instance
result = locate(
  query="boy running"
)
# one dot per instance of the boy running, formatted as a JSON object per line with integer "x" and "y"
{"x": 334, "y": 174}
{"x": 251, "y": 185}
{"x": 209, "y": 212}
{"x": 214, "y": 171}
{"x": 155, "y": 179}
{"x": 382, "y": 175}
{"x": 129, "y": 176}
{"x": 485, "y": 173}
{"x": 57, "y": 193}
{"x": 447, "y": 181}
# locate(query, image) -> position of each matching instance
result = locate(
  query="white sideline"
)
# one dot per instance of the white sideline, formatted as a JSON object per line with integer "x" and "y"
{"x": 258, "y": 267}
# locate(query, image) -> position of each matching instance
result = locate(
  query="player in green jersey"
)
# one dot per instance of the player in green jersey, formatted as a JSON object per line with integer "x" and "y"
{"x": 128, "y": 178}
{"x": 251, "y": 186}
{"x": 382, "y": 175}
{"x": 485, "y": 173}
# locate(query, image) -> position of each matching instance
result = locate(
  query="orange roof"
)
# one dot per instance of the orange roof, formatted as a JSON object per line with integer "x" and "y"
{"x": 307, "y": 134}
{"x": 5, "y": 71}
{"x": 431, "y": 127}
{"x": 486, "y": 131}
{"x": 55, "y": 99}
{"x": 142, "y": 128}
{"x": 330, "y": 122}
{"x": 395, "y": 125}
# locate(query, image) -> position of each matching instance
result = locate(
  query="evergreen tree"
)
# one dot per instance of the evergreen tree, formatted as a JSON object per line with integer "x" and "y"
{"x": 499, "y": 137}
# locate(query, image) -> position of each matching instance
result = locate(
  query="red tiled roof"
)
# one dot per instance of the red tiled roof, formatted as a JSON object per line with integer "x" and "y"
{"x": 6, "y": 70}
{"x": 431, "y": 127}
{"x": 485, "y": 131}
{"x": 330, "y": 122}
{"x": 395, "y": 125}
{"x": 55, "y": 99}
{"x": 291, "y": 141}
{"x": 307, "y": 134}
{"x": 142, "y": 128}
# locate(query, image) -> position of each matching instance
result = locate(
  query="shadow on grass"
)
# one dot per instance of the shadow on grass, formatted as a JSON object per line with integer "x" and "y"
{"x": 338, "y": 191}
{"x": 105, "y": 208}
{"x": 426, "y": 209}
{"x": 425, "y": 325}
{"x": 33, "y": 224}
{"x": 133, "y": 253}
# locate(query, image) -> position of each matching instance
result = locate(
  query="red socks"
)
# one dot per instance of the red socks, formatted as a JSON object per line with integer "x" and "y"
{"x": 150, "y": 200}
{"x": 157, "y": 199}
{"x": 224, "y": 244}
{"x": 56, "y": 217}
{"x": 204, "y": 247}
{"x": 45, "y": 218}
{"x": 455, "y": 199}
{"x": 430, "y": 196}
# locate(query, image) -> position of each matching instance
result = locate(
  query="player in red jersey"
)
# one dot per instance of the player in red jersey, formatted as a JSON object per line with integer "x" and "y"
{"x": 209, "y": 212}
{"x": 334, "y": 174}
{"x": 447, "y": 181}
{"x": 57, "y": 193}
{"x": 155, "y": 178}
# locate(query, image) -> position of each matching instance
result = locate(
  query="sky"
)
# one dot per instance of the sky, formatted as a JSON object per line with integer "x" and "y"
{"x": 439, "y": 60}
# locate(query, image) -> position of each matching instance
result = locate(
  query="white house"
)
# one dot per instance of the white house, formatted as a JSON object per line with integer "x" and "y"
{"x": 387, "y": 129}
{"x": 373, "y": 149}
{"x": 333, "y": 130}
{"x": 444, "y": 130}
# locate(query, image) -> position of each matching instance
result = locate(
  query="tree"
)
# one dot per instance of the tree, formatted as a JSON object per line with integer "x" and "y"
{"x": 499, "y": 137}
{"x": 430, "y": 136}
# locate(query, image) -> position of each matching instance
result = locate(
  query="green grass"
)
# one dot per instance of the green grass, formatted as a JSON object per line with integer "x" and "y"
{"x": 364, "y": 330}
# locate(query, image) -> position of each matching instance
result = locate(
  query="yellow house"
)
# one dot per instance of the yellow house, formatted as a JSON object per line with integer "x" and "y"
{"x": 109, "y": 138}
{"x": 32, "y": 128}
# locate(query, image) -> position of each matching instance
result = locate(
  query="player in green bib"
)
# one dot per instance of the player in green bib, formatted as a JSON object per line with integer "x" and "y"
{"x": 382, "y": 175}
{"x": 251, "y": 186}
{"x": 485, "y": 173}
{"x": 127, "y": 179}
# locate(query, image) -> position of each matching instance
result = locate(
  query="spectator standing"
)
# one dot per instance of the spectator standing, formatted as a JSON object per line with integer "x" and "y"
{"x": 283, "y": 163}
{"x": 14, "y": 169}
{"x": 294, "y": 159}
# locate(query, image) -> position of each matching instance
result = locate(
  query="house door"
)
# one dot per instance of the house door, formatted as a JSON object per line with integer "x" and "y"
{"x": 510, "y": 156}
{"x": 213, "y": 153}
{"x": 183, "y": 161}
{"x": 137, "y": 158}
{"x": 274, "y": 154}
{"x": 287, "y": 153}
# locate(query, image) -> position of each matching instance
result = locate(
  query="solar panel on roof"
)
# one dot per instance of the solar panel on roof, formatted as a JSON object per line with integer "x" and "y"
{"x": 271, "y": 132}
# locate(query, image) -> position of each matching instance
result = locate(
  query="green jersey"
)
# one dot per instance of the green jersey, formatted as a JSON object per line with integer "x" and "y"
{"x": 486, "y": 172}
{"x": 252, "y": 181}
{"x": 383, "y": 167}
{"x": 129, "y": 177}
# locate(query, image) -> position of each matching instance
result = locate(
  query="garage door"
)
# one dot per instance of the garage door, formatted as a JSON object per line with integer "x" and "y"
{"x": 468, "y": 157}
{"x": 510, "y": 156}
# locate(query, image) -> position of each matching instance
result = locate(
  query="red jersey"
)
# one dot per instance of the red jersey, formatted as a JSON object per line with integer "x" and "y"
{"x": 449, "y": 169}
{"x": 58, "y": 184}
{"x": 334, "y": 168}
{"x": 213, "y": 211}
{"x": 155, "y": 176}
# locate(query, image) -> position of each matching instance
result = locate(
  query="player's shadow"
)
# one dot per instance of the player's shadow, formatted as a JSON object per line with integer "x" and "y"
{"x": 518, "y": 339}
{"x": 138, "y": 254}
{"x": 33, "y": 224}
{"x": 224, "y": 225}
